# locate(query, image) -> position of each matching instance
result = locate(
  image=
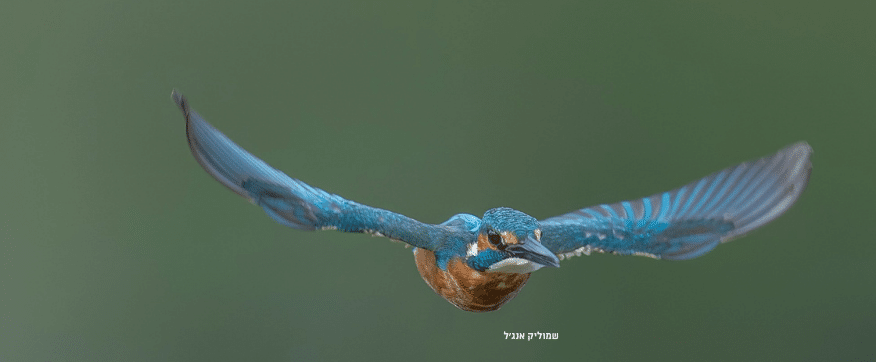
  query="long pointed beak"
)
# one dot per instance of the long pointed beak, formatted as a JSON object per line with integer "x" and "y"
{"x": 531, "y": 249}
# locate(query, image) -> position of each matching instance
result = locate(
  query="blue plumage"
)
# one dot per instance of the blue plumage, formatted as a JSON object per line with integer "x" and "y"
{"x": 479, "y": 264}
{"x": 691, "y": 220}
{"x": 289, "y": 201}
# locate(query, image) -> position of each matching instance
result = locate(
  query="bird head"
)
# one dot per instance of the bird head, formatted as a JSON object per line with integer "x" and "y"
{"x": 509, "y": 241}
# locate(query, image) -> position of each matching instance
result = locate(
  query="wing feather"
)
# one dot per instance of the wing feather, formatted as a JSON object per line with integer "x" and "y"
{"x": 289, "y": 201}
{"x": 691, "y": 220}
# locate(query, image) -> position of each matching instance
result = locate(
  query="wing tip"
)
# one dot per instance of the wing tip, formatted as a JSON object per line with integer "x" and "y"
{"x": 180, "y": 101}
{"x": 798, "y": 166}
{"x": 796, "y": 170}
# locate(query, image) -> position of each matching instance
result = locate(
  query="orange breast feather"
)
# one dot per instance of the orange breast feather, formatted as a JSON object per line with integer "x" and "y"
{"x": 466, "y": 288}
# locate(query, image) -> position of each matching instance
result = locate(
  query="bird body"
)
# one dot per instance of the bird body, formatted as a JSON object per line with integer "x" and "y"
{"x": 479, "y": 264}
{"x": 456, "y": 272}
{"x": 467, "y": 288}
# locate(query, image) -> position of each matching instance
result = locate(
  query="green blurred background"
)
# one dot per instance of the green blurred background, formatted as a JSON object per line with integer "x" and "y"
{"x": 115, "y": 245}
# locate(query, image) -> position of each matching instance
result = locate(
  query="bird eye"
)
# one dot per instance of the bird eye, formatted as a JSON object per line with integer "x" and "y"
{"x": 495, "y": 238}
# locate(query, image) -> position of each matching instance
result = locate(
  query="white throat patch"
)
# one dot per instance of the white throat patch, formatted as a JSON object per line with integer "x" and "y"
{"x": 472, "y": 249}
{"x": 515, "y": 265}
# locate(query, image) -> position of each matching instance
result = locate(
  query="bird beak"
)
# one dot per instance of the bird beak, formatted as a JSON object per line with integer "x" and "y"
{"x": 532, "y": 250}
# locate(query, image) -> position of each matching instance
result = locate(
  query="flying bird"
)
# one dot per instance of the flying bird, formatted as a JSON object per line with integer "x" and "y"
{"x": 479, "y": 264}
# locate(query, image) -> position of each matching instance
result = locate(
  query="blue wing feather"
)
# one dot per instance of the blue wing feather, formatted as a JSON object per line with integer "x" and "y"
{"x": 689, "y": 221}
{"x": 289, "y": 201}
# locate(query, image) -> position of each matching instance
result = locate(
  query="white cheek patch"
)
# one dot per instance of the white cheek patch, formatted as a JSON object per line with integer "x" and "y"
{"x": 515, "y": 265}
{"x": 472, "y": 249}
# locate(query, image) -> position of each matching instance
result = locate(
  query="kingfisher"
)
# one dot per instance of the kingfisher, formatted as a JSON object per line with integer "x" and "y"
{"x": 479, "y": 264}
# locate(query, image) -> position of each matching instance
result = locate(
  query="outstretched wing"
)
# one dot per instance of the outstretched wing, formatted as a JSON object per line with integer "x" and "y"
{"x": 289, "y": 201}
{"x": 689, "y": 221}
